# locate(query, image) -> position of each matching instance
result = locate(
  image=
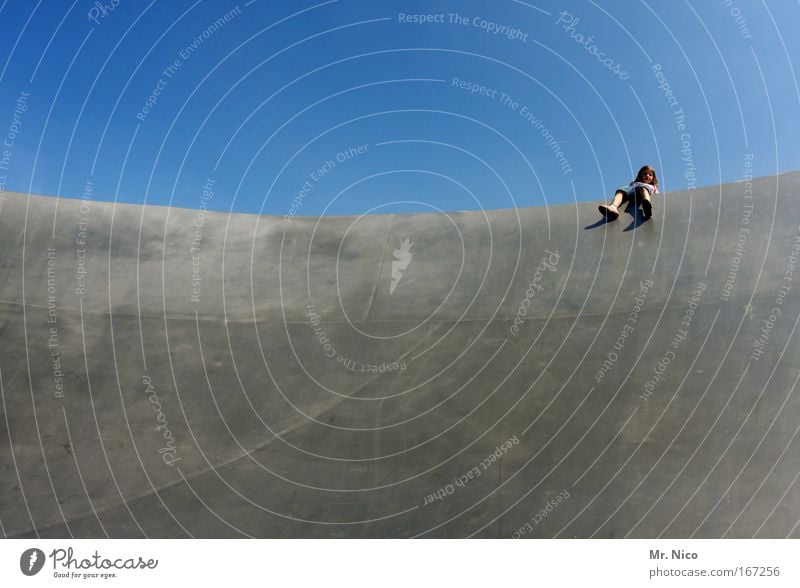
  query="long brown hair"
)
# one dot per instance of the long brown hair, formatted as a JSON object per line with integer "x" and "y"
{"x": 646, "y": 168}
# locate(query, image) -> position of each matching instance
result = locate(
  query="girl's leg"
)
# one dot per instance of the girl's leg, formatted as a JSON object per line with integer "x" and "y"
{"x": 618, "y": 198}
{"x": 643, "y": 195}
{"x": 610, "y": 210}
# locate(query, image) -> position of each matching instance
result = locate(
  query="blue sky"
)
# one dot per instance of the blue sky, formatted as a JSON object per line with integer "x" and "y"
{"x": 350, "y": 107}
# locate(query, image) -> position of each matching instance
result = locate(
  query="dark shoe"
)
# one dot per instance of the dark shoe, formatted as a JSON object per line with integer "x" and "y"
{"x": 647, "y": 208}
{"x": 609, "y": 211}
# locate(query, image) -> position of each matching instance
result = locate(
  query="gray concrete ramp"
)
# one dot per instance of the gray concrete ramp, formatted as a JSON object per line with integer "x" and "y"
{"x": 509, "y": 373}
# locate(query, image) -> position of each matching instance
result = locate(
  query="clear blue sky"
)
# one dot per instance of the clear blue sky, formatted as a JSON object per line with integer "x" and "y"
{"x": 272, "y": 101}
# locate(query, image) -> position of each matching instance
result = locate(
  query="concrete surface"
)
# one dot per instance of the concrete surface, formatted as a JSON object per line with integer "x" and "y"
{"x": 648, "y": 387}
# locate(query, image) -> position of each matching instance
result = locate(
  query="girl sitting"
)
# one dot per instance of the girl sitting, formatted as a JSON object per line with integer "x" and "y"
{"x": 641, "y": 189}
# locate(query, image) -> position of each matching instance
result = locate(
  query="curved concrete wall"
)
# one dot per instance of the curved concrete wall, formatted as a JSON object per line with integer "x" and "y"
{"x": 172, "y": 373}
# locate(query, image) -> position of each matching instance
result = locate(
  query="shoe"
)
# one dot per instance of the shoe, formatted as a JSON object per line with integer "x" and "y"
{"x": 647, "y": 208}
{"x": 609, "y": 211}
